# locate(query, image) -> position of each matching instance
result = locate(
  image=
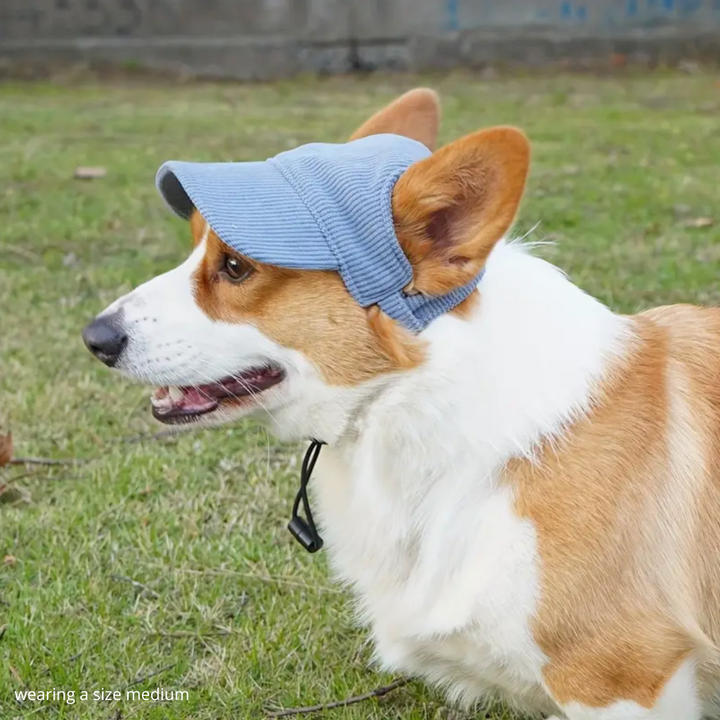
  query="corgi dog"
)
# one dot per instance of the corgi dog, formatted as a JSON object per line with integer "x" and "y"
{"x": 524, "y": 497}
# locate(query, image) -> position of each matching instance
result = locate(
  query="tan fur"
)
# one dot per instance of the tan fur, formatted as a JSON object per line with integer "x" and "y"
{"x": 467, "y": 307}
{"x": 416, "y": 115}
{"x": 198, "y": 226}
{"x": 400, "y": 345}
{"x": 627, "y": 511}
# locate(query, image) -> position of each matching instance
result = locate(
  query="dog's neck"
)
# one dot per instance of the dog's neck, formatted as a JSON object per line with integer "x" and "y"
{"x": 521, "y": 368}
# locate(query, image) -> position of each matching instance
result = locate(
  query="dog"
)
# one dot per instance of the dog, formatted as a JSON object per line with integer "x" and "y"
{"x": 524, "y": 496}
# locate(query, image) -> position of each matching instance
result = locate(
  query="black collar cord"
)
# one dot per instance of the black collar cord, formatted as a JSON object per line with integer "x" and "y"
{"x": 303, "y": 529}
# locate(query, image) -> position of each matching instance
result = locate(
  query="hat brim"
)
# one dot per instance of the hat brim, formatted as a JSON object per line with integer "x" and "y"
{"x": 252, "y": 208}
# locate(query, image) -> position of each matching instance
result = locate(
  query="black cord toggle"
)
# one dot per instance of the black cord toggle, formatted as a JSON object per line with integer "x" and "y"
{"x": 304, "y": 530}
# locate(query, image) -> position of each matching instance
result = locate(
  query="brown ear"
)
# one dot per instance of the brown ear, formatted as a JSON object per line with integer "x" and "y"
{"x": 451, "y": 208}
{"x": 416, "y": 115}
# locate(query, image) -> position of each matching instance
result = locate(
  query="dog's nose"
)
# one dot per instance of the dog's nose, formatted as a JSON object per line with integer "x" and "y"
{"x": 105, "y": 338}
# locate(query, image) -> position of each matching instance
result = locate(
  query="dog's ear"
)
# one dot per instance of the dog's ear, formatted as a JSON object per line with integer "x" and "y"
{"x": 416, "y": 115}
{"x": 452, "y": 207}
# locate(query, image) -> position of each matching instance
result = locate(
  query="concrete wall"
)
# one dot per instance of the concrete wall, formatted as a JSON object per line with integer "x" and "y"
{"x": 257, "y": 39}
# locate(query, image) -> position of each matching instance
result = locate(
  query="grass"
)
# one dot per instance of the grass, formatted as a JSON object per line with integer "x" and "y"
{"x": 625, "y": 169}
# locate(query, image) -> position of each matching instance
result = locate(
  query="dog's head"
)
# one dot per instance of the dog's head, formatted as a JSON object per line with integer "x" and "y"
{"x": 224, "y": 335}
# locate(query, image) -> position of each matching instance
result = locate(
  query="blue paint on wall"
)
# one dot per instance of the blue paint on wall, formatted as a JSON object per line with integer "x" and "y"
{"x": 452, "y": 12}
{"x": 648, "y": 11}
{"x": 568, "y": 12}
{"x": 605, "y": 15}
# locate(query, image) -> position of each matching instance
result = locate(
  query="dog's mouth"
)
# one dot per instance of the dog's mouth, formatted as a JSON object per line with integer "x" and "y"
{"x": 172, "y": 404}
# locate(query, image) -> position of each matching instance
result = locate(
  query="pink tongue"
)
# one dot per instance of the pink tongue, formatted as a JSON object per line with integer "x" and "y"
{"x": 195, "y": 400}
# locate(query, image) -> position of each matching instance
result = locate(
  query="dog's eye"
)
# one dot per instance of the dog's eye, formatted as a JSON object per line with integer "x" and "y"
{"x": 234, "y": 269}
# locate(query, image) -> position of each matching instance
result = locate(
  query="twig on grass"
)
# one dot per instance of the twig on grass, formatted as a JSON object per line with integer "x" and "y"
{"x": 77, "y": 655}
{"x": 22, "y": 476}
{"x": 137, "y": 585}
{"x": 149, "y": 676}
{"x": 189, "y": 634}
{"x": 21, "y": 251}
{"x": 44, "y": 461}
{"x": 71, "y": 659}
{"x": 376, "y": 693}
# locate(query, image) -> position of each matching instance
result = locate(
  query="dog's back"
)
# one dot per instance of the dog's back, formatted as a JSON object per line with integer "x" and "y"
{"x": 627, "y": 508}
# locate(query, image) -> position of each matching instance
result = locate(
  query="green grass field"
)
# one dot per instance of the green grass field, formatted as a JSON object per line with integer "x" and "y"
{"x": 625, "y": 182}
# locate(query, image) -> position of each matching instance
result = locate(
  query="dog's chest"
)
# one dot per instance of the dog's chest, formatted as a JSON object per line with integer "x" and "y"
{"x": 448, "y": 583}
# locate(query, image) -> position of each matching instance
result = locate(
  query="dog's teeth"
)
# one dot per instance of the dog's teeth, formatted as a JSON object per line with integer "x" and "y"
{"x": 160, "y": 402}
{"x": 175, "y": 393}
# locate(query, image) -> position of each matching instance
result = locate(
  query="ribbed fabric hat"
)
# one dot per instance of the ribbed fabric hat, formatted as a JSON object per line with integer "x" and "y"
{"x": 318, "y": 207}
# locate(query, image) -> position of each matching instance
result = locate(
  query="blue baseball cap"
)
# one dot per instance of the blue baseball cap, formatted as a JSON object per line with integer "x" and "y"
{"x": 320, "y": 206}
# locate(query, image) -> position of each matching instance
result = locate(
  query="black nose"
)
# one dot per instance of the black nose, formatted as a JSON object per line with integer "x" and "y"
{"x": 105, "y": 338}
